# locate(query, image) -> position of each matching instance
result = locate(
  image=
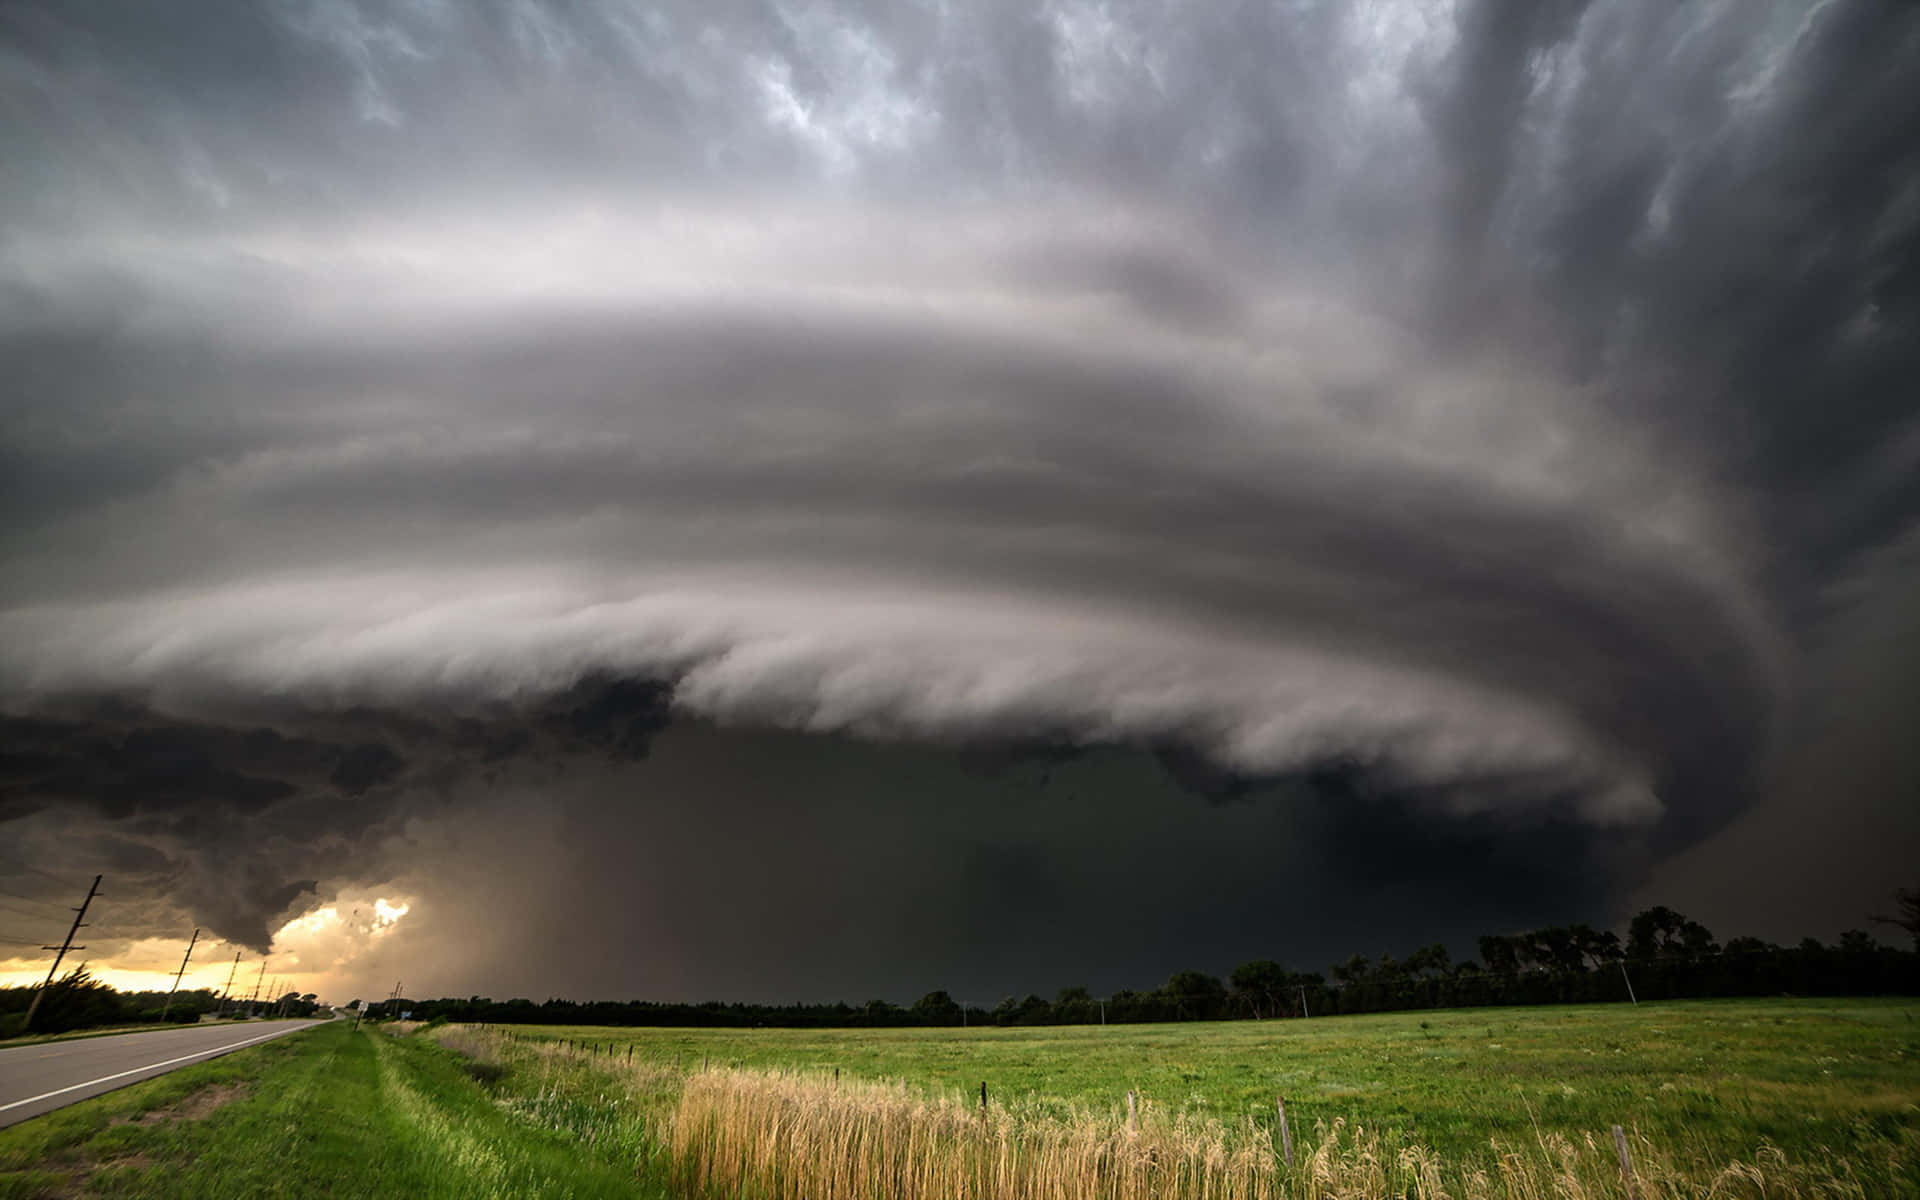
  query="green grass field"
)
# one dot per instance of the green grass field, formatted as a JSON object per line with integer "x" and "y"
{"x": 456, "y": 1112}
{"x": 1718, "y": 1076}
{"x": 328, "y": 1112}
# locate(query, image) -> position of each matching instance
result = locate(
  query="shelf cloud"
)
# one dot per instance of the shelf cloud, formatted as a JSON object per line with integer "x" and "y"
{"x": 1478, "y": 417}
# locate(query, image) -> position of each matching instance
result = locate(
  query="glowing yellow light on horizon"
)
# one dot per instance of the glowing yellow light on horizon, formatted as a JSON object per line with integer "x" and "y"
{"x": 305, "y": 949}
{"x": 210, "y": 973}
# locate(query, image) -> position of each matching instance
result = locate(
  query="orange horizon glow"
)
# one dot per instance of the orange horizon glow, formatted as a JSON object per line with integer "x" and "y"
{"x": 309, "y": 953}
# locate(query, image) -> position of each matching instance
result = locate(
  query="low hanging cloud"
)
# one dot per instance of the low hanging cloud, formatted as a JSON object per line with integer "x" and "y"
{"x": 1484, "y": 400}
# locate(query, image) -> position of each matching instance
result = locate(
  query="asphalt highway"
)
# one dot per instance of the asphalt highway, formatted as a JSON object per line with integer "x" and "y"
{"x": 48, "y": 1075}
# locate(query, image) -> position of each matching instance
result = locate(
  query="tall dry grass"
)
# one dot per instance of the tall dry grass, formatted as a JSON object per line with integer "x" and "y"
{"x": 781, "y": 1134}
{"x": 785, "y": 1135}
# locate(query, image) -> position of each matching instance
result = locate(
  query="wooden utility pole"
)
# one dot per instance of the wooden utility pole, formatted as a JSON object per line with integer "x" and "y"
{"x": 168, "y": 1006}
{"x": 78, "y": 922}
{"x": 226, "y": 993}
{"x": 254, "y": 996}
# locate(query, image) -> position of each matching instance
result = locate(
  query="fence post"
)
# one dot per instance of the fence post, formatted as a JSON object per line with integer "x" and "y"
{"x": 1626, "y": 1163}
{"x": 1286, "y": 1134}
{"x": 1133, "y": 1115}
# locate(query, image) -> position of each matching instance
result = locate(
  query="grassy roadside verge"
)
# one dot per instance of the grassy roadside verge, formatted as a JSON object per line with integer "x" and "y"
{"x": 328, "y": 1112}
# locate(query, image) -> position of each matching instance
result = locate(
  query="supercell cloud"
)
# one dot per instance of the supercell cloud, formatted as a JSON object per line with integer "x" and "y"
{"x": 1471, "y": 426}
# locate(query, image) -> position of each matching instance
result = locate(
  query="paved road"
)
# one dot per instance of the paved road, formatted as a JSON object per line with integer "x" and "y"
{"x": 40, "y": 1078}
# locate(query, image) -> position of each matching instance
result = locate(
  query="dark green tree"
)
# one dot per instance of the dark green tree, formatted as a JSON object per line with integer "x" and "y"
{"x": 1555, "y": 948}
{"x": 936, "y": 1008}
{"x": 1598, "y": 947}
{"x": 77, "y": 1000}
{"x": 1660, "y": 932}
{"x": 1196, "y": 995}
{"x": 1500, "y": 952}
{"x": 1031, "y": 1011}
{"x": 1429, "y": 960}
{"x": 1357, "y": 969}
{"x": 1259, "y": 984}
{"x": 1858, "y": 941}
{"x": 1907, "y": 914}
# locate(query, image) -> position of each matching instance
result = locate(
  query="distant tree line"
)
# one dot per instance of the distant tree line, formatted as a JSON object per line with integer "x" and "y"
{"x": 1665, "y": 956}
{"x": 80, "y": 1001}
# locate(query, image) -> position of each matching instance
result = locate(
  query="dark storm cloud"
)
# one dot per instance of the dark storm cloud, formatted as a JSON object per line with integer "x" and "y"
{"x": 1456, "y": 420}
{"x": 964, "y": 880}
{"x": 230, "y": 818}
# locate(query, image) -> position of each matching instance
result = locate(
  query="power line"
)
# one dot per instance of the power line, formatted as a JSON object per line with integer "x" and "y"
{"x": 18, "y": 912}
{"x": 42, "y": 874}
{"x": 34, "y": 915}
{"x": 114, "y": 931}
{"x": 24, "y": 896}
{"x": 31, "y": 899}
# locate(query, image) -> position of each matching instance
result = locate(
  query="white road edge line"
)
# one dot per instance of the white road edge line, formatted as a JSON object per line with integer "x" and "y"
{"x": 150, "y": 1066}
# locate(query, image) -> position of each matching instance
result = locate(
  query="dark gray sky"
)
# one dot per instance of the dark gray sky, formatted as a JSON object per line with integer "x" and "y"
{"x": 828, "y": 501}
